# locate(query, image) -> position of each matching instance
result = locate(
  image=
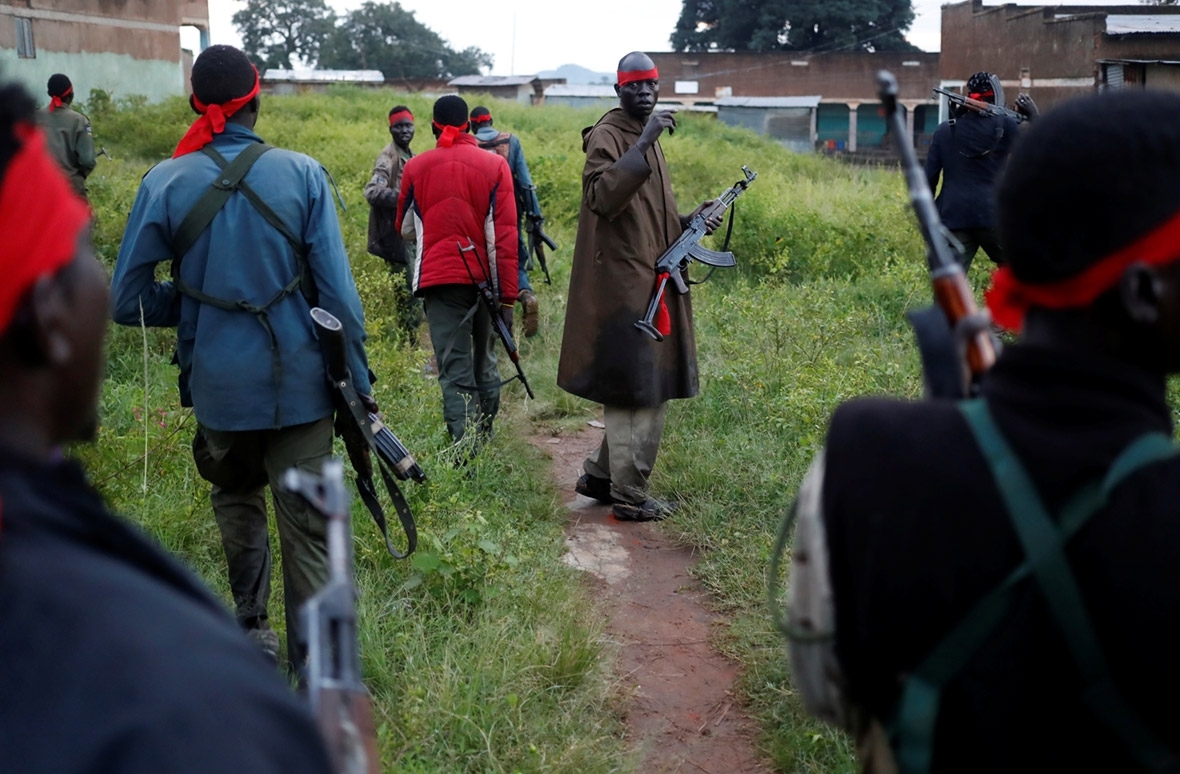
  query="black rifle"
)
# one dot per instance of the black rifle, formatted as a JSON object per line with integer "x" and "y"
{"x": 538, "y": 240}
{"x": 687, "y": 248}
{"x": 979, "y": 106}
{"x": 492, "y": 304}
{"x": 363, "y": 433}
{"x": 339, "y": 700}
{"x": 954, "y": 333}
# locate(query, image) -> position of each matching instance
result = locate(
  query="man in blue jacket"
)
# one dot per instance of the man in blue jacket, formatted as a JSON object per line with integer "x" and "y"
{"x": 507, "y": 146}
{"x": 245, "y": 273}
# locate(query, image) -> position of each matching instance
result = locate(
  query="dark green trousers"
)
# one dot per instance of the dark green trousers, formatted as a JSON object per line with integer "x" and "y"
{"x": 464, "y": 346}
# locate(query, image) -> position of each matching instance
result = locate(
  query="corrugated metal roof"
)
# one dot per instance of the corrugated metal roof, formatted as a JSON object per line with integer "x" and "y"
{"x": 768, "y": 102}
{"x": 492, "y": 80}
{"x": 575, "y": 90}
{"x": 1130, "y": 24}
{"x": 324, "y": 76}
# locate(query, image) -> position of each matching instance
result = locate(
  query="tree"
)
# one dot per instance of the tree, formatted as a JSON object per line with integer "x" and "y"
{"x": 386, "y": 37}
{"x": 793, "y": 25}
{"x": 282, "y": 33}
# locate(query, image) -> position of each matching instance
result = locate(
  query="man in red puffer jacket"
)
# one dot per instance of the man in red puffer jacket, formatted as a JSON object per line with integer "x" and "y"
{"x": 457, "y": 199}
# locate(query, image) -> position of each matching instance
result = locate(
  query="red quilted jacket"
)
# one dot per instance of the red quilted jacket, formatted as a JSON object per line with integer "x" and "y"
{"x": 455, "y": 197}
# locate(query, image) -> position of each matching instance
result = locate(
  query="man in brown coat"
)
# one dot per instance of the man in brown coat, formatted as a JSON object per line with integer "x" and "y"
{"x": 627, "y": 220}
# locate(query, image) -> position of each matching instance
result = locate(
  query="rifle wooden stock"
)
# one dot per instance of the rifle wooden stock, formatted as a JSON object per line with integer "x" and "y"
{"x": 345, "y": 719}
{"x": 953, "y": 294}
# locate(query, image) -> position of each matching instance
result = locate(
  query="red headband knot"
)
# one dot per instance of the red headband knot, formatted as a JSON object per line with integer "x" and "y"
{"x": 481, "y": 119}
{"x": 58, "y": 99}
{"x": 449, "y": 133}
{"x": 212, "y": 120}
{"x": 401, "y": 115}
{"x": 40, "y": 217}
{"x": 631, "y": 76}
{"x": 1008, "y": 298}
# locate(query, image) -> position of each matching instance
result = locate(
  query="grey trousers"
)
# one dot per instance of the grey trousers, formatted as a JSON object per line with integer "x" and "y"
{"x": 628, "y": 451}
{"x": 465, "y": 348}
{"x": 241, "y": 518}
{"x": 974, "y": 238}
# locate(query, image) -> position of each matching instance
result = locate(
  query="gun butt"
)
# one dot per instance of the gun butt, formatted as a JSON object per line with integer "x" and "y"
{"x": 331, "y": 334}
{"x": 346, "y": 722}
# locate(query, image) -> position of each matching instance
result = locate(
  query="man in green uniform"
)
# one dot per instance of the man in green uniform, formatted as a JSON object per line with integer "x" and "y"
{"x": 67, "y": 133}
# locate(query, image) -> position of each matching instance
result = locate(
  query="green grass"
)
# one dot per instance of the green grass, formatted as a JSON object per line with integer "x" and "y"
{"x": 483, "y": 652}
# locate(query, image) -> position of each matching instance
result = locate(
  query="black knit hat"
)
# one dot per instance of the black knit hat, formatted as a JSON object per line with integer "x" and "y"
{"x": 222, "y": 73}
{"x": 58, "y": 85}
{"x": 450, "y": 110}
{"x": 1091, "y": 176}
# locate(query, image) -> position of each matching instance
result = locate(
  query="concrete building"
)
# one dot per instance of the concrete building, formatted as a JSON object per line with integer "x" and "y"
{"x": 529, "y": 89}
{"x": 847, "y": 118}
{"x": 123, "y": 47}
{"x": 1060, "y": 51}
{"x": 789, "y": 120}
{"x": 590, "y": 95}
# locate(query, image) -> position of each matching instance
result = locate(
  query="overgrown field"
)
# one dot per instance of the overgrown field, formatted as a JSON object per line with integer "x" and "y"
{"x": 483, "y": 653}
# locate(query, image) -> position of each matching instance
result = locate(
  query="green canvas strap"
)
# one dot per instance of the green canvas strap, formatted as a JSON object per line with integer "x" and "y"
{"x": 1043, "y": 543}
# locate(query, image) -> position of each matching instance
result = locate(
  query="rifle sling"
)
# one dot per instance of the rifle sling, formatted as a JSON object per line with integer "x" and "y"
{"x": 451, "y": 343}
{"x": 348, "y": 396}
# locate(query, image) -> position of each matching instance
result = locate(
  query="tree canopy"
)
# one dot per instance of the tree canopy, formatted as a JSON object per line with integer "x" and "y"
{"x": 376, "y": 36}
{"x": 279, "y": 33}
{"x": 387, "y": 37}
{"x": 793, "y": 25}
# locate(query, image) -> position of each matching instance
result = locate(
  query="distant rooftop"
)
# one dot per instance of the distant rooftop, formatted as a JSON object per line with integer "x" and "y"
{"x": 324, "y": 76}
{"x": 768, "y": 102}
{"x": 492, "y": 80}
{"x": 1119, "y": 24}
{"x": 581, "y": 90}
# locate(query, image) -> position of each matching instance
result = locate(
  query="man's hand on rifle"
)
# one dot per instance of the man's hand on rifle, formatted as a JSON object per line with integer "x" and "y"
{"x": 1025, "y": 105}
{"x": 368, "y": 402}
{"x": 656, "y": 124}
{"x": 506, "y": 315}
{"x": 712, "y": 222}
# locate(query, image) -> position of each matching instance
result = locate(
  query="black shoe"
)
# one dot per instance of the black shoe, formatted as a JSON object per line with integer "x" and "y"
{"x": 650, "y": 509}
{"x": 595, "y": 488}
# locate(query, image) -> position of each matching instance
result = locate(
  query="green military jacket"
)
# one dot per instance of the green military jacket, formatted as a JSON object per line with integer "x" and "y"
{"x": 67, "y": 135}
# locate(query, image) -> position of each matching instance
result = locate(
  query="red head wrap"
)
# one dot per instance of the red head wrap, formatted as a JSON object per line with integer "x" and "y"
{"x": 40, "y": 218}
{"x": 481, "y": 119}
{"x": 1008, "y": 298}
{"x": 401, "y": 115}
{"x": 212, "y": 120}
{"x": 630, "y": 76}
{"x": 56, "y": 101}
{"x": 449, "y": 133}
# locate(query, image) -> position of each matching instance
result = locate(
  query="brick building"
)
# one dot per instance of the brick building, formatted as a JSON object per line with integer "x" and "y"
{"x": 1061, "y": 51}
{"x": 121, "y": 46}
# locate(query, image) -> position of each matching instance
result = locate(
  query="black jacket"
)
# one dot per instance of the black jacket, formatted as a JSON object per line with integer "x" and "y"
{"x": 970, "y": 152}
{"x": 113, "y": 658}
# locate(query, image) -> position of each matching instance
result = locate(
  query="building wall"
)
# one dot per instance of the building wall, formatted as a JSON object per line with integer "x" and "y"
{"x": 835, "y": 76}
{"x": 124, "y": 47}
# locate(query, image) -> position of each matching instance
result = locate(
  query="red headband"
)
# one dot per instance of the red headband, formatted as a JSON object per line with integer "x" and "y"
{"x": 1008, "y": 298}
{"x": 630, "y": 76}
{"x": 40, "y": 218}
{"x": 56, "y": 101}
{"x": 481, "y": 119}
{"x": 212, "y": 120}
{"x": 449, "y": 133}
{"x": 401, "y": 115}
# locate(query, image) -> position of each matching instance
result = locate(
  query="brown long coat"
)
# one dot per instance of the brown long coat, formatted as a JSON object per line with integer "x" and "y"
{"x": 628, "y": 219}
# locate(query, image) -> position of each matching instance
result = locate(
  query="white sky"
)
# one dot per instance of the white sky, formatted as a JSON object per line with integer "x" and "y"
{"x": 550, "y": 33}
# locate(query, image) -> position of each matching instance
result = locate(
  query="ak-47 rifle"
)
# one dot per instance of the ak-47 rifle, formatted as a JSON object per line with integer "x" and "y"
{"x": 538, "y": 240}
{"x": 979, "y": 106}
{"x": 339, "y": 700}
{"x": 954, "y": 338}
{"x": 365, "y": 436}
{"x": 687, "y": 248}
{"x": 492, "y": 304}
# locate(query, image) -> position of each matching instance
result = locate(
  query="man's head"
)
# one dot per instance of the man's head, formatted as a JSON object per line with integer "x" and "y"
{"x": 1089, "y": 213}
{"x": 985, "y": 87}
{"x": 638, "y": 85}
{"x": 53, "y": 300}
{"x": 450, "y": 118}
{"x": 60, "y": 90}
{"x": 401, "y": 126}
{"x": 480, "y": 117}
{"x": 221, "y": 75}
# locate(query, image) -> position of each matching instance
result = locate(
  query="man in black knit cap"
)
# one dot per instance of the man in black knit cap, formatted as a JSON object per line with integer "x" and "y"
{"x": 991, "y": 585}
{"x": 245, "y": 274}
{"x": 113, "y": 657}
{"x": 67, "y": 132}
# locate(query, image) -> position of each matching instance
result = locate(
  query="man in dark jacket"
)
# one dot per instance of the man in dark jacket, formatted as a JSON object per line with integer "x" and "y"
{"x": 67, "y": 132}
{"x": 113, "y": 657}
{"x": 970, "y": 151}
{"x": 458, "y": 202}
{"x": 249, "y": 358}
{"x": 990, "y": 585}
{"x": 381, "y": 194}
{"x": 628, "y": 219}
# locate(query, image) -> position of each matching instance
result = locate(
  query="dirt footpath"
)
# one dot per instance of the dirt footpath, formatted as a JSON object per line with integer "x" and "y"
{"x": 681, "y": 710}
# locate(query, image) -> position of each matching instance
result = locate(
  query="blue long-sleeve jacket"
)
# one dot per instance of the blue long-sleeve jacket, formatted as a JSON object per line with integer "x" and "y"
{"x": 521, "y": 178}
{"x": 226, "y": 357}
